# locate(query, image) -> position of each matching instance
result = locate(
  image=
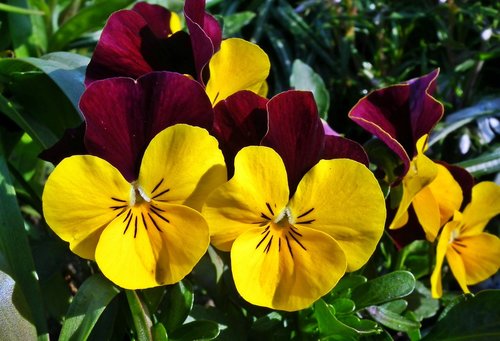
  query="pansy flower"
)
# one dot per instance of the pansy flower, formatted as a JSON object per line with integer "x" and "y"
{"x": 294, "y": 223}
{"x": 472, "y": 254}
{"x": 140, "y": 232}
{"x": 140, "y": 40}
{"x": 400, "y": 115}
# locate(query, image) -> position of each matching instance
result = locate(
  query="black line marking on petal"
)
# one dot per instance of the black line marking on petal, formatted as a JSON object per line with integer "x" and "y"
{"x": 161, "y": 193}
{"x": 144, "y": 221}
{"x": 160, "y": 216}
{"x": 128, "y": 214}
{"x": 279, "y": 244}
{"x": 119, "y": 214}
{"x": 135, "y": 227}
{"x": 294, "y": 238}
{"x": 459, "y": 244}
{"x": 268, "y": 246}
{"x": 154, "y": 222}
{"x": 216, "y": 96}
{"x": 289, "y": 246}
{"x": 297, "y": 233}
{"x": 114, "y": 208}
{"x": 128, "y": 223}
{"x": 266, "y": 229}
{"x": 454, "y": 248}
{"x": 269, "y": 208}
{"x": 157, "y": 185}
{"x": 305, "y": 213}
{"x": 262, "y": 215}
{"x": 119, "y": 200}
{"x": 157, "y": 208}
{"x": 306, "y": 222}
{"x": 263, "y": 238}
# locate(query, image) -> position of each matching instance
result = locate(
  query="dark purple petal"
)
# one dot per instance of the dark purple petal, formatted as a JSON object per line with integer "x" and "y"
{"x": 295, "y": 132}
{"x": 205, "y": 33}
{"x": 336, "y": 147}
{"x": 157, "y": 17}
{"x": 328, "y": 130}
{"x": 70, "y": 144}
{"x": 123, "y": 115}
{"x": 129, "y": 47}
{"x": 400, "y": 114}
{"x": 239, "y": 121}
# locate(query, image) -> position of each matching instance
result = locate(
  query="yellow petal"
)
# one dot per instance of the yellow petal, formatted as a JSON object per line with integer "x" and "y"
{"x": 82, "y": 195}
{"x": 264, "y": 88}
{"x": 280, "y": 273}
{"x": 447, "y": 192}
{"x": 238, "y": 65}
{"x": 421, "y": 173}
{"x": 480, "y": 255}
{"x": 442, "y": 247}
{"x": 175, "y": 22}
{"x": 427, "y": 211}
{"x": 342, "y": 198}
{"x": 457, "y": 267}
{"x": 484, "y": 205}
{"x": 144, "y": 250}
{"x": 257, "y": 192}
{"x": 182, "y": 165}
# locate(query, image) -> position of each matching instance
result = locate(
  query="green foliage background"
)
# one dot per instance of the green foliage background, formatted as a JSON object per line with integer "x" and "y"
{"x": 341, "y": 50}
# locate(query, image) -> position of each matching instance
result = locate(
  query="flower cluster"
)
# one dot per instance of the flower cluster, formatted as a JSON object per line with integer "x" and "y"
{"x": 181, "y": 149}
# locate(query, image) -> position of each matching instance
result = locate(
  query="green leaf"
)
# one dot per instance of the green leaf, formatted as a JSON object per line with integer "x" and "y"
{"x": 196, "y": 330}
{"x": 487, "y": 163}
{"x": 178, "y": 302}
{"x": 14, "y": 245}
{"x": 303, "y": 77}
{"x": 343, "y": 305}
{"x": 329, "y": 327}
{"x": 235, "y": 22}
{"x": 397, "y": 306}
{"x": 415, "y": 257}
{"x": 14, "y": 312}
{"x": 362, "y": 326}
{"x": 140, "y": 316}
{"x": 87, "y": 19}
{"x": 421, "y": 302}
{"x": 391, "y": 319}
{"x": 19, "y": 10}
{"x": 28, "y": 32}
{"x": 87, "y": 306}
{"x": 346, "y": 284}
{"x": 159, "y": 332}
{"x": 476, "y": 319}
{"x": 383, "y": 289}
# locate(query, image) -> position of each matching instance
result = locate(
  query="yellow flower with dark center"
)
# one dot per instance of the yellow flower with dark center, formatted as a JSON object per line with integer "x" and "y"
{"x": 288, "y": 252}
{"x": 473, "y": 255}
{"x": 148, "y": 232}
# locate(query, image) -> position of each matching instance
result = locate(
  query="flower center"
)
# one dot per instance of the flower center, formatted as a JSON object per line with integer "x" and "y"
{"x": 137, "y": 195}
{"x": 284, "y": 218}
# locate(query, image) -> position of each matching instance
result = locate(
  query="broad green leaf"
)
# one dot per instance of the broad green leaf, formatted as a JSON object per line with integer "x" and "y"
{"x": 362, "y": 326}
{"x": 329, "y": 327}
{"x": 343, "y": 305}
{"x": 397, "y": 306}
{"x": 88, "y": 19}
{"x": 14, "y": 312}
{"x": 159, "y": 332}
{"x": 140, "y": 317}
{"x": 196, "y": 330}
{"x": 235, "y": 22}
{"x": 28, "y": 32}
{"x": 87, "y": 306}
{"x": 14, "y": 245}
{"x": 391, "y": 319}
{"x": 383, "y": 289}
{"x": 303, "y": 77}
{"x": 475, "y": 319}
{"x": 346, "y": 284}
{"x": 177, "y": 304}
{"x": 422, "y": 304}
{"x": 415, "y": 257}
{"x": 268, "y": 322}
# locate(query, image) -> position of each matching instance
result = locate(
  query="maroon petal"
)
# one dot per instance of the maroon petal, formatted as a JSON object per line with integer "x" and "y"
{"x": 123, "y": 115}
{"x": 295, "y": 132}
{"x": 336, "y": 147}
{"x": 400, "y": 114}
{"x": 157, "y": 17}
{"x": 239, "y": 121}
{"x": 130, "y": 47}
{"x": 205, "y": 33}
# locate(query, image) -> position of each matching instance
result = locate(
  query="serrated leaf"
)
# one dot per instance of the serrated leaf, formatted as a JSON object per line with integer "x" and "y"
{"x": 383, "y": 289}
{"x": 87, "y": 306}
{"x": 475, "y": 319}
{"x": 196, "y": 330}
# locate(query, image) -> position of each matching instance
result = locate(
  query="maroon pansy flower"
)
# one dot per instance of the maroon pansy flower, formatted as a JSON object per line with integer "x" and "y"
{"x": 288, "y": 123}
{"x": 123, "y": 115}
{"x": 400, "y": 114}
